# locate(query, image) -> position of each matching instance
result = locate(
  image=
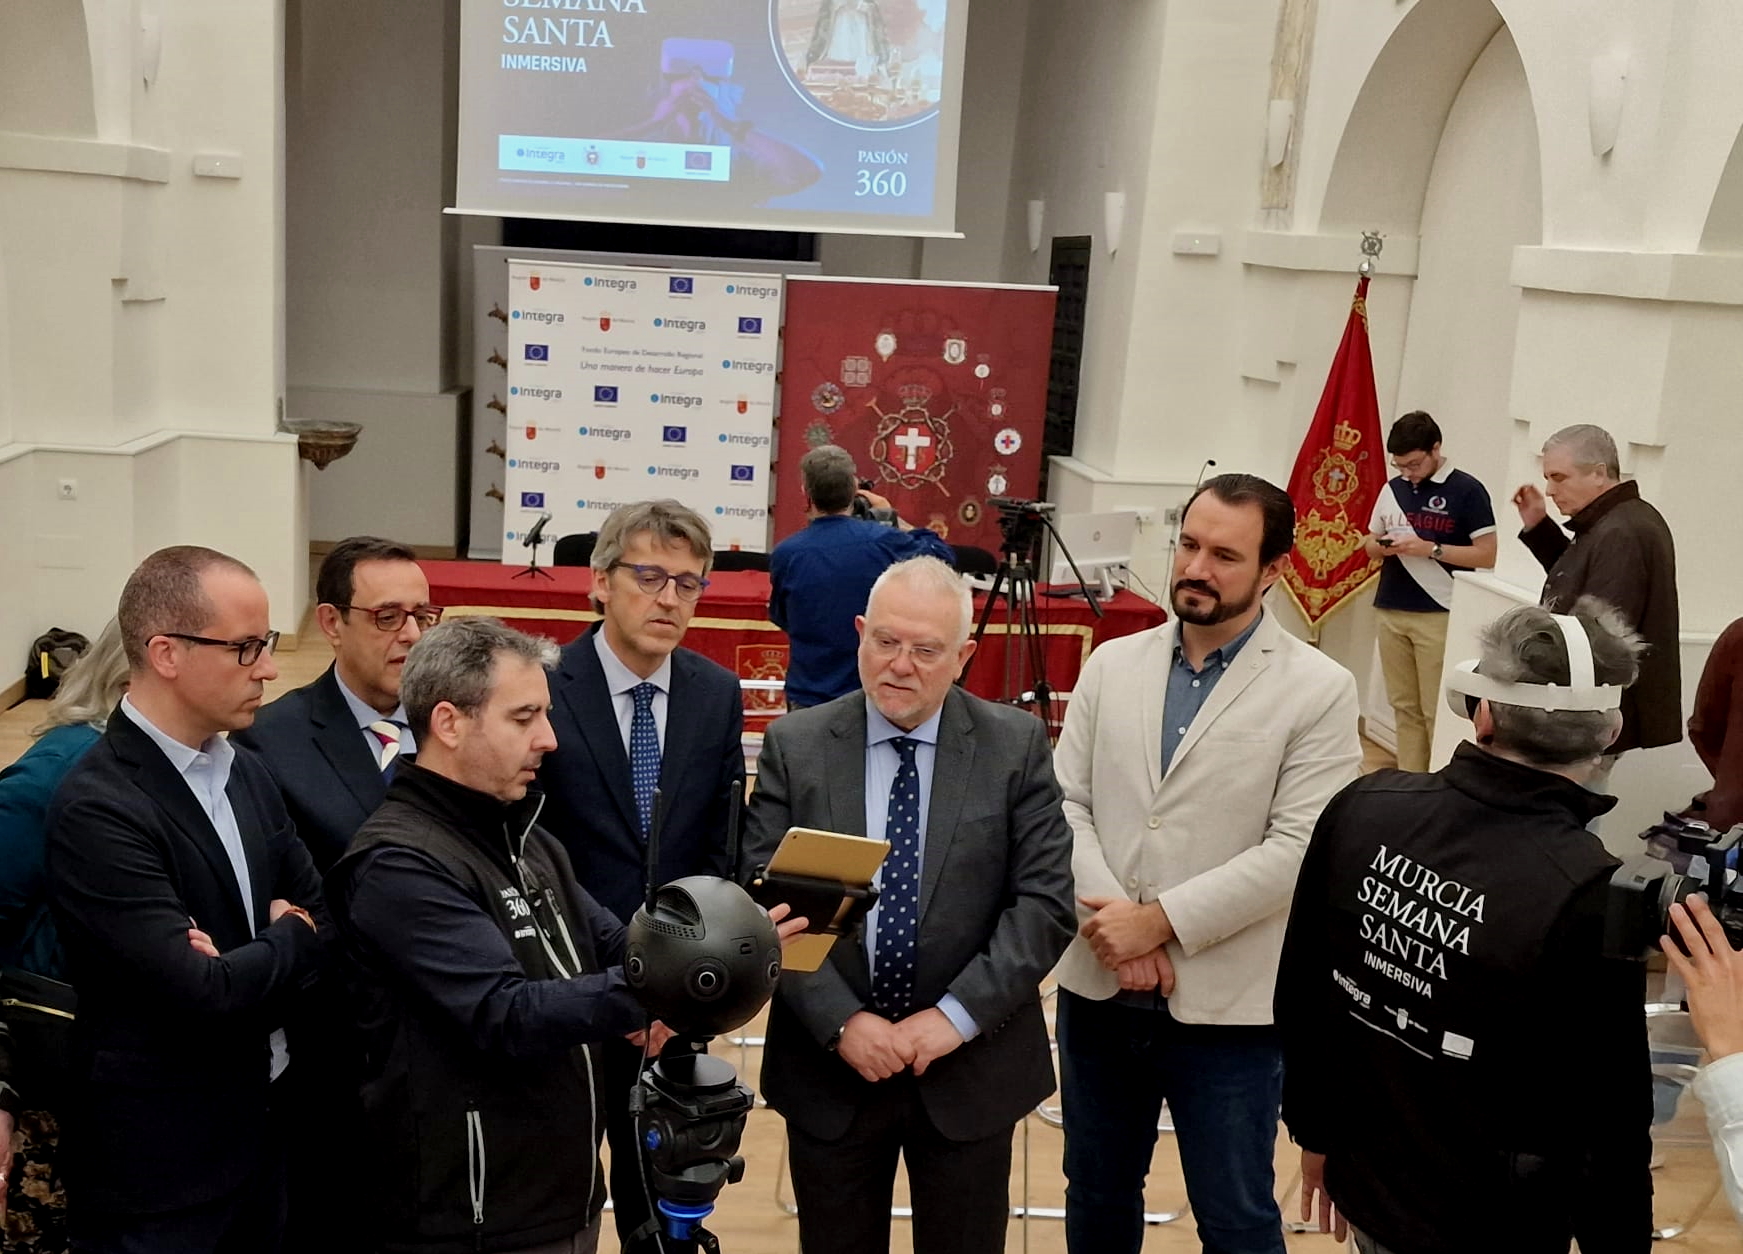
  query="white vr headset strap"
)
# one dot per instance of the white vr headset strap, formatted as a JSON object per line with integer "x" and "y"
{"x": 1581, "y": 693}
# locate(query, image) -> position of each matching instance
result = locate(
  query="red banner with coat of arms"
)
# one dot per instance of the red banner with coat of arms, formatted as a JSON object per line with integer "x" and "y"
{"x": 938, "y": 390}
{"x": 1338, "y": 475}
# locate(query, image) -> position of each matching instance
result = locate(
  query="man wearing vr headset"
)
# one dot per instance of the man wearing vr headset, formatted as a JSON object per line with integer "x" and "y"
{"x": 1463, "y": 1069}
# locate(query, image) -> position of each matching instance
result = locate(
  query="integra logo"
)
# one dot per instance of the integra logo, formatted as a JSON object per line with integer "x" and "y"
{"x": 617, "y": 435}
{"x": 669, "y": 398}
{"x": 534, "y": 464}
{"x": 538, "y": 394}
{"x": 739, "y": 511}
{"x": 544, "y": 317}
{"x": 610, "y": 284}
{"x": 681, "y": 324}
{"x": 750, "y": 367}
{"x": 746, "y": 438}
{"x": 752, "y": 291}
{"x": 675, "y": 472}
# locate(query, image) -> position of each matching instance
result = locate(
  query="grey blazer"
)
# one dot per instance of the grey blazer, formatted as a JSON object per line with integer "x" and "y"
{"x": 996, "y": 911}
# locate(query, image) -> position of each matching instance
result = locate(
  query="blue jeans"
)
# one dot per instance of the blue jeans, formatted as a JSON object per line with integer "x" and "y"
{"x": 1117, "y": 1064}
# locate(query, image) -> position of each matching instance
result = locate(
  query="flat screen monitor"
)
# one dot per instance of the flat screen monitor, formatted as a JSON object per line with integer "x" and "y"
{"x": 1098, "y": 542}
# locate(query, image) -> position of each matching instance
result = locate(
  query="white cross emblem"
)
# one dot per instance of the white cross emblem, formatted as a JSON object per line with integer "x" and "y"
{"x": 911, "y": 441}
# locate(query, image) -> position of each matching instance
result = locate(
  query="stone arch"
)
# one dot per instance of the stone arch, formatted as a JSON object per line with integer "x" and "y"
{"x": 35, "y": 35}
{"x": 1723, "y": 231}
{"x": 1380, "y": 174}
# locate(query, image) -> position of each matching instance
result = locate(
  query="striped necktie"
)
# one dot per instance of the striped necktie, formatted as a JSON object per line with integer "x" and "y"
{"x": 388, "y": 732}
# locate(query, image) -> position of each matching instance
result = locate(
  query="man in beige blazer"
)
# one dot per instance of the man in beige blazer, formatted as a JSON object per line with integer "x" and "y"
{"x": 1194, "y": 762}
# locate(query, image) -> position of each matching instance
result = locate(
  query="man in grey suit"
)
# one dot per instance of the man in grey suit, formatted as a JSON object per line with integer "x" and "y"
{"x": 921, "y": 1038}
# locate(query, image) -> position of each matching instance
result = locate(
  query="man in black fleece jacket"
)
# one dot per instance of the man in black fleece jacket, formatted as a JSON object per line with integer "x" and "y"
{"x": 1463, "y": 1067}
{"x": 482, "y": 972}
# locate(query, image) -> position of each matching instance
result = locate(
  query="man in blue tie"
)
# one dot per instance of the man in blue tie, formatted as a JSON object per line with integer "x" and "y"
{"x": 923, "y": 1039}
{"x": 634, "y": 711}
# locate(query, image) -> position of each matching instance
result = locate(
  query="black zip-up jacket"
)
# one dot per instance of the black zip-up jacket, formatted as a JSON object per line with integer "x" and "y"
{"x": 481, "y": 972}
{"x": 1454, "y": 1042}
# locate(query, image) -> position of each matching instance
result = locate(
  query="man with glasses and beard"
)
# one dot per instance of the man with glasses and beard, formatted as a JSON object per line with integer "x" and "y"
{"x": 1195, "y": 760}
{"x": 634, "y": 712}
{"x": 188, "y": 909}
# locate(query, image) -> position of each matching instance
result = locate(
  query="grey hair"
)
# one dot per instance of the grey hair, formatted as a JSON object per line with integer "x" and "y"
{"x": 666, "y": 520}
{"x": 166, "y": 593}
{"x": 91, "y": 687}
{"x": 1588, "y": 446}
{"x": 830, "y": 477}
{"x": 453, "y": 661}
{"x": 932, "y": 575}
{"x": 1525, "y": 646}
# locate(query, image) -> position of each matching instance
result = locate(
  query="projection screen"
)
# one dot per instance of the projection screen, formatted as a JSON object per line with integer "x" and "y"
{"x": 803, "y": 115}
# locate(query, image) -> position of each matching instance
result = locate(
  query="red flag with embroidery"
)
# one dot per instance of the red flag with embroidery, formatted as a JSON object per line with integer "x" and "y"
{"x": 1338, "y": 476}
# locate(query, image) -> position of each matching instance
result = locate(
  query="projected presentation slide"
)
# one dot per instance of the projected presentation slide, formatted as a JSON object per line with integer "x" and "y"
{"x": 832, "y": 115}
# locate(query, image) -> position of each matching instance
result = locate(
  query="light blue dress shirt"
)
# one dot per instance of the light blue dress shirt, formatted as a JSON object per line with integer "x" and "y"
{"x": 620, "y": 681}
{"x": 882, "y": 760}
{"x": 365, "y": 714}
{"x": 206, "y": 771}
{"x": 1188, "y": 689}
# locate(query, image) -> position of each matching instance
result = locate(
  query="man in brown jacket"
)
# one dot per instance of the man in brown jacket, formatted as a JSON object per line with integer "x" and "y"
{"x": 1622, "y": 552}
{"x": 1716, "y": 730}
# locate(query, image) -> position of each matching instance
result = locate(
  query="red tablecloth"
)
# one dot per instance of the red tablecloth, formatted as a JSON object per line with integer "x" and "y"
{"x": 732, "y": 625}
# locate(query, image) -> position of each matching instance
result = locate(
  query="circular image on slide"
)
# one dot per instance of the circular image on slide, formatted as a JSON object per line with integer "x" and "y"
{"x": 873, "y": 64}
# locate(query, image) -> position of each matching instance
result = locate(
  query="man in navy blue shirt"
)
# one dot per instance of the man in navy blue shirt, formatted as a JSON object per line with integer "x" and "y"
{"x": 1427, "y": 522}
{"x": 819, "y": 578}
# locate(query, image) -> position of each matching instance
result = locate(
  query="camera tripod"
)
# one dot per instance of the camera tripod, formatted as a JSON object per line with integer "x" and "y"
{"x": 690, "y": 1109}
{"x": 1025, "y": 647}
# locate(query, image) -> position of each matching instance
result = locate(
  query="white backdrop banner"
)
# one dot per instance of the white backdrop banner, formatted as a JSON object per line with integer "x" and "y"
{"x": 626, "y": 384}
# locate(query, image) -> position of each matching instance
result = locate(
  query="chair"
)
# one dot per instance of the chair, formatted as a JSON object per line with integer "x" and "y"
{"x": 971, "y": 560}
{"x": 740, "y": 559}
{"x": 575, "y": 550}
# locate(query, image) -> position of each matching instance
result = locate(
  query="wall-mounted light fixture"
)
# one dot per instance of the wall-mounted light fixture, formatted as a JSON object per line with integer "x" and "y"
{"x": 1037, "y": 215}
{"x": 1113, "y": 219}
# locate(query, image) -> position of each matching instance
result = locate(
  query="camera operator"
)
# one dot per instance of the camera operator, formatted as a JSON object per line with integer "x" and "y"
{"x": 1463, "y": 1067}
{"x": 1713, "y": 973}
{"x": 482, "y": 971}
{"x": 821, "y": 577}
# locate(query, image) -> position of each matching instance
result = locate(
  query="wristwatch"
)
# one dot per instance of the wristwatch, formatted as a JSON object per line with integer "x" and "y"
{"x": 1437, "y": 552}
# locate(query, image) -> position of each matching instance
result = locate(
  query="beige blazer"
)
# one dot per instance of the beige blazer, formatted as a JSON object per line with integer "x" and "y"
{"x": 1219, "y": 840}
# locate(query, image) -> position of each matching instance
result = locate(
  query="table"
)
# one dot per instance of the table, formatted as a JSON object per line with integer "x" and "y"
{"x": 732, "y": 626}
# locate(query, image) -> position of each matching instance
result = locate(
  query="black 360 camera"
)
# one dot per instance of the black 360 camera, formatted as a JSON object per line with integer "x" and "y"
{"x": 1688, "y": 857}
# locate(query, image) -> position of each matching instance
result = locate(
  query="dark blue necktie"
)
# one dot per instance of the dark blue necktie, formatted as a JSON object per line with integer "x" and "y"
{"x": 644, "y": 754}
{"x": 899, "y": 895}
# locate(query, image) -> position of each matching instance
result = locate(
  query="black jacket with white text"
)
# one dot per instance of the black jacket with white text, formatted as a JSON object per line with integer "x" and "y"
{"x": 1473, "y": 1068}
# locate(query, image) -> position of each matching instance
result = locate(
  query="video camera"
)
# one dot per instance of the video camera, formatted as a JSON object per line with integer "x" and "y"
{"x": 1689, "y": 857}
{"x": 1022, "y": 523}
{"x": 863, "y": 508}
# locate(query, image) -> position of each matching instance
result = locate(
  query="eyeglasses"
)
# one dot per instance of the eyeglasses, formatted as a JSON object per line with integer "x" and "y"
{"x": 392, "y": 617}
{"x": 653, "y": 580}
{"x": 247, "y": 651}
{"x": 886, "y": 649}
{"x": 1410, "y": 465}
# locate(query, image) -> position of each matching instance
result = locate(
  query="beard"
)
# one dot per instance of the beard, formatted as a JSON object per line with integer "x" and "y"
{"x": 1219, "y": 610}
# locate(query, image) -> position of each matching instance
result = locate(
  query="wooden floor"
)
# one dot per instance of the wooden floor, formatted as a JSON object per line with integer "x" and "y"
{"x": 750, "y": 1220}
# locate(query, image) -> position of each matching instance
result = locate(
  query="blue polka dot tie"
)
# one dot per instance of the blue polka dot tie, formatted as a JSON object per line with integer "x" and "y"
{"x": 899, "y": 896}
{"x": 644, "y": 754}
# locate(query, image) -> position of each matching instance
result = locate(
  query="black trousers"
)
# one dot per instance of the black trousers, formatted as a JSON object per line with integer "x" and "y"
{"x": 248, "y": 1220}
{"x": 961, "y": 1190}
{"x": 631, "y": 1194}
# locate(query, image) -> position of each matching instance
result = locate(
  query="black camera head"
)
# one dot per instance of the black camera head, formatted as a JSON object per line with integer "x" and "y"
{"x": 1645, "y": 887}
{"x": 703, "y": 958}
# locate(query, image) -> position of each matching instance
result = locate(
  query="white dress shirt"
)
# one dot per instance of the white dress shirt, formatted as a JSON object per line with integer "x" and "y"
{"x": 1719, "y": 1086}
{"x": 365, "y": 714}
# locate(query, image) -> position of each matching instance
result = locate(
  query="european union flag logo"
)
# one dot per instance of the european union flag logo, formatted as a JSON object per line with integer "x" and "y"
{"x": 698, "y": 161}
{"x": 681, "y": 285}
{"x": 538, "y": 352}
{"x": 532, "y": 500}
{"x": 605, "y": 396}
{"x": 750, "y": 326}
{"x": 675, "y": 435}
{"x": 744, "y": 474}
